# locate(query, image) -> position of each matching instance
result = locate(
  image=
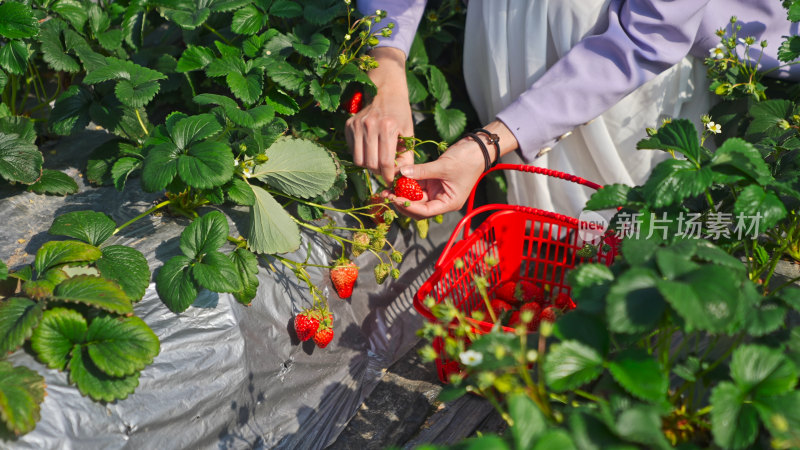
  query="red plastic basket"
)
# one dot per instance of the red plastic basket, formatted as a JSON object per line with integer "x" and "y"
{"x": 528, "y": 243}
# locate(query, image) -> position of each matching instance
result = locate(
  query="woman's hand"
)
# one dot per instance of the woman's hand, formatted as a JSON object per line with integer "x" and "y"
{"x": 373, "y": 132}
{"x": 446, "y": 182}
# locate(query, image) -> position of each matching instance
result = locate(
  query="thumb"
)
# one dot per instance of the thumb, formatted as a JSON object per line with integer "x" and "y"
{"x": 433, "y": 169}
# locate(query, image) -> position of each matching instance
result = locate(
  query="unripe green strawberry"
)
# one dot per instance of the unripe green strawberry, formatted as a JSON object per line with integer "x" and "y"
{"x": 377, "y": 242}
{"x": 360, "y": 243}
{"x": 438, "y": 218}
{"x": 397, "y": 257}
{"x": 395, "y": 273}
{"x": 422, "y": 228}
{"x": 381, "y": 272}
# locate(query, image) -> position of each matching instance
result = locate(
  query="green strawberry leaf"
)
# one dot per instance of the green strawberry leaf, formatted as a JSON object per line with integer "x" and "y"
{"x": 640, "y": 374}
{"x": 206, "y": 165}
{"x": 71, "y": 112}
{"x": 286, "y": 9}
{"x": 252, "y": 118}
{"x": 17, "y": 21}
{"x": 315, "y": 46}
{"x": 248, "y": 20}
{"x": 53, "y": 253}
{"x": 570, "y": 364}
{"x": 736, "y": 160}
{"x": 734, "y": 422}
{"x": 633, "y": 302}
{"x": 54, "y": 52}
{"x": 297, "y": 167}
{"x": 281, "y": 102}
{"x": 21, "y": 394}
{"x": 328, "y": 96}
{"x": 528, "y": 419}
{"x": 205, "y": 234}
{"x": 121, "y": 346}
{"x": 674, "y": 180}
{"x": 768, "y": 115}
{"x": 642, "y": 424}
{"x": 188, "y": 19}
{"x": 19, "y": 161}
{"x": 240, "y": 192}
{"x": 611, "y": 196}
{"x": 19, "y": 125}
{"x": 416, "y": 90}
{"x": 246, "y": 263}
{"x": 127, "y": 267}
{"x": 174, "y": 284}
{"x": 54, "y": 182}
{"x": 679, "y": 136}
{"x": 186, "y": 131}
{"x": 763, "y": 371}
{"x": 765, "y": 319}
{"x": 73, "y": 11}
{"x": 286, "y": 75}
{"x": 246, "y": 87}
{"x": 450, "y": 123}
{"x": 136, "y": 95}
{"x": 711, "y": 306}
{"x": 95, "y": 383}
{"x": 272, "y": 229}
{"x": 320, "y": 15}
{"x": 160, "y": 167}
{"x": 122, "y": 169}
{"x": 781, "y": 415}
{"x": 3, "y": 270}
{"x": 195, "y": 57}
{"x": 14, "y": 57}
{"x": 439, "y": 88}
{"x": 216, "y": 272}
{"x": 764, "y": 208}
{"x": 95, "y": 292}
{"x": 18, "y": 317}
{"x": 790, "y": 47}
{"x": 585, "y": 328}
{"x": 92, "y": 227}
{"x": 60, "y": 331}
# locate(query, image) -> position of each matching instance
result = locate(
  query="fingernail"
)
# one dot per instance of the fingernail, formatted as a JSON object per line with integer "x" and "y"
{"x": 407, "y": 171}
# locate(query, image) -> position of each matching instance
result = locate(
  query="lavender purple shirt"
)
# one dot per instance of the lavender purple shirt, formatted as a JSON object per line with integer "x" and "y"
{"x": 644, "y": 38}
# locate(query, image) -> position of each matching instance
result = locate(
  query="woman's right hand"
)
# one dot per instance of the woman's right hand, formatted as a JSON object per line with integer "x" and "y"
{"x": 373, "y": 132}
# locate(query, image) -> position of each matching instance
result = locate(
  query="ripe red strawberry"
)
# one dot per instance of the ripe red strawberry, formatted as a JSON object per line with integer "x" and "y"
{"x": 505, "y": 291}
{"x": 354, "y": 105}
{"x": 324, "y": 334}
{"x": 407, "y": 188}
{"x": 379, "y": 209}
{"x": 564, "y": 302}
{"x": 306, "y": 324}
{"x": 344, "y": 275}
{"x": 534, "y": 308}
{"x": 528, "y": 291}
{"x": 549, "y": 314}
{"x": 500, "y": 306}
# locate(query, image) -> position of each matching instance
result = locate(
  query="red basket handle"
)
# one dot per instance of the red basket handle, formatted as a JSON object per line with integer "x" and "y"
{"x": 464, "y": 222}
{"x": 529, "y": 169}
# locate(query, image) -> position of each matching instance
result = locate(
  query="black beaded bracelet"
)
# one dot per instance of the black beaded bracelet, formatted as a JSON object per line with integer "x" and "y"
{"x": 493, "y": 139}
{"x": 486, "y": 160}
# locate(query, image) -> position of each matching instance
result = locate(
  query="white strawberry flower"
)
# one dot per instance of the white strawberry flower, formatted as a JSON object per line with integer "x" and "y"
{"x": 714, "y": 127}
{"x": 717, "y": 52}
{"x": 471, "y": 358}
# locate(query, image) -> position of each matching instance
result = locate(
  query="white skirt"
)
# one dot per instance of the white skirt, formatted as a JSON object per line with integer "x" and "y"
{"x": 509, "y": 44}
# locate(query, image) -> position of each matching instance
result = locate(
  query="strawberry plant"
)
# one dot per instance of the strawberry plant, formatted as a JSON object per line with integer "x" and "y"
{"x": 218, "y": 104}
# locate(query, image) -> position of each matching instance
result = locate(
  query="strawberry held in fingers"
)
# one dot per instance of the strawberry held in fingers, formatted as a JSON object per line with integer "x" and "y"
{"x": 354, "y": 105}
{"x": 407, "y": 188}
{"x": 344, "y": 275}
